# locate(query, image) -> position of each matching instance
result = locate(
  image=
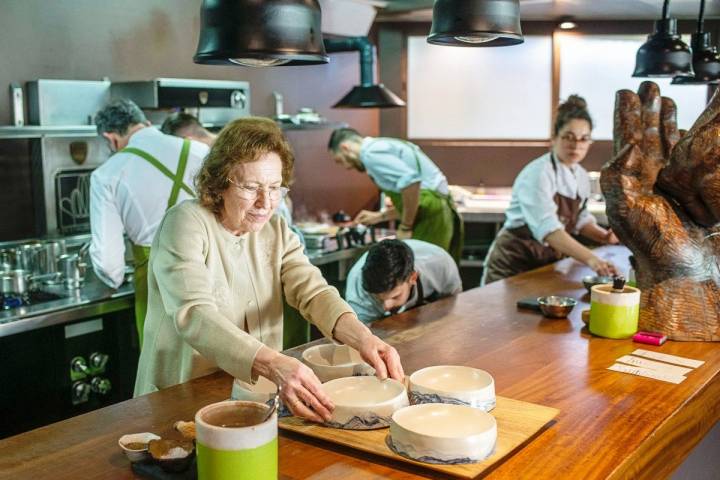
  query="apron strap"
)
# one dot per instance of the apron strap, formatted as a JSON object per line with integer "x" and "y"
{"x": 177, "y": 178}
{"x": 180, "y": 174}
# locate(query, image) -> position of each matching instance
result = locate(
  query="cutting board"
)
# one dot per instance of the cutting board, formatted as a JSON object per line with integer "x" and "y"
{"x": 517, "y": 423}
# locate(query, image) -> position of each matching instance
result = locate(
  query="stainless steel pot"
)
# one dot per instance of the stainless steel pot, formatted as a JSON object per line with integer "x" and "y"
{"x": 29, "y": 257}
{"x": 47, "y": 262}
{"x": 72, "y": 269}
{"x": 15, "y": 282}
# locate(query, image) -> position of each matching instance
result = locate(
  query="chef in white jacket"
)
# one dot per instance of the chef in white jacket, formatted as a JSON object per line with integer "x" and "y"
{"x": 396, "y": 275}
{"x": 148, "y": 173}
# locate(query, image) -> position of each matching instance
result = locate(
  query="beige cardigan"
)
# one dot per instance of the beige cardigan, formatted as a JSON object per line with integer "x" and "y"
{"x": 214, "y": 299}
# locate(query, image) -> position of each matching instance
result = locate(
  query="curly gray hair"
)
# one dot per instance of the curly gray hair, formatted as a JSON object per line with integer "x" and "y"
{"x": 118, "y": 116}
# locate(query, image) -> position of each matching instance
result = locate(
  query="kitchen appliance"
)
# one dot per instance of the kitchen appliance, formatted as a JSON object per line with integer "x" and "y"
{"x": 62, "y": 162}
{"x": 213, "y": 102}
{"x": 64, "y": 103}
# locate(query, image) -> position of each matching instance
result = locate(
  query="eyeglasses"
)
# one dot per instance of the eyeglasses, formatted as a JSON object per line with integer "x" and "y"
{"x": 570, "y": 138}
{"x": 252, "y": 192}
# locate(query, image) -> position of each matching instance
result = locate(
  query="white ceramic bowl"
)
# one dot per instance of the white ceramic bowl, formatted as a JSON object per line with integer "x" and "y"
{"x": 364, "y": 403}
{"x": 137, "y": 455}
{"x": 453, "y": 384}
{"x": 444, "y": 434}
{"x": 335, "y": 361}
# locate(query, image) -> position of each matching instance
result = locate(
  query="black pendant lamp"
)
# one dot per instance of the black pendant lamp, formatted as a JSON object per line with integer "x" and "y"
{"x": 476, "y": 23}
{"x": 664, "y": 54}
{"x": 706, "y": 59}
{"x": 368, "y": 94}
{"x": 260, "y": 33}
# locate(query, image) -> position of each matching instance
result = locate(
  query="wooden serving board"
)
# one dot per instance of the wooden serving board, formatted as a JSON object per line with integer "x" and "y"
{"x": 517, "y": 423}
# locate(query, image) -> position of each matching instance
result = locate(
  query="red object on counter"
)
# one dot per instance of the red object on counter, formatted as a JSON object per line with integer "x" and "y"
{"x": 651, "y": 338}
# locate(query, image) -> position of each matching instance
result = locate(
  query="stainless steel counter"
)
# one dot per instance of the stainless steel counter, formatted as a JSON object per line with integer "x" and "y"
{"x": 490, "y": 206}
{"x": 95, "y": 298}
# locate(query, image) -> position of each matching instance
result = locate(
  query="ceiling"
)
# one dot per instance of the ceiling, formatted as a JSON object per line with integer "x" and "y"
{"x": 421, "y": 10}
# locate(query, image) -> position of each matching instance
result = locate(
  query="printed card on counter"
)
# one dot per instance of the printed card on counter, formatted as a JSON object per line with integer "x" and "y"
{"x": 652, "y": 365}
{"x": 646, "y": 372}
{"x": 664, "y": 357}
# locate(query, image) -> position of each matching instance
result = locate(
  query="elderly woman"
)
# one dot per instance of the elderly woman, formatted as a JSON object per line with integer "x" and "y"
{"x": 219, "y": 267}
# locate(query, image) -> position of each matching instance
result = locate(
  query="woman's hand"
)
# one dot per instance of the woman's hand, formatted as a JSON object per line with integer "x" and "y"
{"x": 300, "y": 389}
{"x": 601, "y": 267}
{"x": 378, "y": 354}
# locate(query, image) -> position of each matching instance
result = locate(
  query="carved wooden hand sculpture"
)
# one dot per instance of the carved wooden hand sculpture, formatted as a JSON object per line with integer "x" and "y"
{"x": 663, "y": 202}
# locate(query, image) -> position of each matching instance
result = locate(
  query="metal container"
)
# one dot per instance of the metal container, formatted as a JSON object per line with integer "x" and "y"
{"x": 72, "y": 269}
{"x": 556, "y": 307}
{"x": 15, "y": 282}
{"x": 29, "y": 257}
{"x": 7, "y": 259}
{"x": 52, "y": 250}
{"x": 315, "y": 241}
{"x": 217, "y": 101}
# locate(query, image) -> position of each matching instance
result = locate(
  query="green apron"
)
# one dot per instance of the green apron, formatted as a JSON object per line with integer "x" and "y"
{"x": 141, "y": 254}
{"x": 436, "y": 221}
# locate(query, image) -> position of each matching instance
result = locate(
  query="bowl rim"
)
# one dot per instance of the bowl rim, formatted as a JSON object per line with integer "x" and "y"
{"x": 467, "y": 410}
{"x": 412, "y": 379}
{"x": 315, "y": 348}
{"x": 627, "y": 289}
{"x": 199, "y": 420}
{"x": 365, "y": 378}
{"x": 571, "y": 301}
{"x": 152, "y": 436}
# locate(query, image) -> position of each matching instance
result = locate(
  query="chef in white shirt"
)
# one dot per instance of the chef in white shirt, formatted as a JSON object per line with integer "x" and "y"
{"x": 148, "y": 173}
{"x": 548, "y": 205}
{"x": 396, "y": 275}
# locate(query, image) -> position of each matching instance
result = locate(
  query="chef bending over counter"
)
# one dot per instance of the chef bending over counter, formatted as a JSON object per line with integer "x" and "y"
{"x": 396, "y": 275}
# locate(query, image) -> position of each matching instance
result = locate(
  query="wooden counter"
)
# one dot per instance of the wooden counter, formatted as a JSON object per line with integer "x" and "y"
{"x": 611, "y": 425}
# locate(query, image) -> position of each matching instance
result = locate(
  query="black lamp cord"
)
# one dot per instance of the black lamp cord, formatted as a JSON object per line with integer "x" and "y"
{"x": 701, "y": 17}
{"x": 666, "y": 6}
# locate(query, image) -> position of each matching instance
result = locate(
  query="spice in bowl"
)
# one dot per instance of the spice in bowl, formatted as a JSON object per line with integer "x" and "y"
{"x": 135, "y": 445}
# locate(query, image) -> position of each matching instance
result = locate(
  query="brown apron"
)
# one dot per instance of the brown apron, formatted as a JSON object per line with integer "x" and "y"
{"x": 515, "y": 250}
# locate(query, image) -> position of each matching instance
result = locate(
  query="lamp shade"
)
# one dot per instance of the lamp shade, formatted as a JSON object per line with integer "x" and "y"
{"x": 370, "y": 96}
{"x": 664, "y": 54}
{"x": 476, "y": 23}
{"x": 706, "y": 62}
{"x": 260, "y": 33}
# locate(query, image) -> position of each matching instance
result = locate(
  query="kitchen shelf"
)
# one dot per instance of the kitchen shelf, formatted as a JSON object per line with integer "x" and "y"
{"x": 39, "y": 131}
{"x": 312, "y": 126}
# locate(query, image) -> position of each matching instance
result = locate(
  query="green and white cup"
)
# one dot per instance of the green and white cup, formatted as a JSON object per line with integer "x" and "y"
{"x": 614, "y": 314}
{"x": 232, "y": 444}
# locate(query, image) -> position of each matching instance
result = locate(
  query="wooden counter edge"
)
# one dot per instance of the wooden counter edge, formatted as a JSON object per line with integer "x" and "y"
{"x": 668, "y": 446}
